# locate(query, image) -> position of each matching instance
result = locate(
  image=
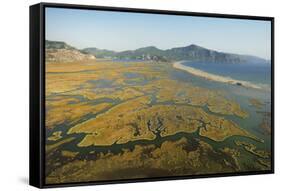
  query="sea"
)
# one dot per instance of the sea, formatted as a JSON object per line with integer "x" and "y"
{"x": 259, "y": 74}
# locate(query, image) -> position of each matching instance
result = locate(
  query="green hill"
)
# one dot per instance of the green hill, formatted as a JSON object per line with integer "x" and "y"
{"x": 192, "y": 52}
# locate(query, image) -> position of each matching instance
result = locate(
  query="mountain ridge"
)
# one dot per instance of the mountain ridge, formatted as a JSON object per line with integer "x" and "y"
{"x": 59, "y": 51}
{"x": 191, "y": 52}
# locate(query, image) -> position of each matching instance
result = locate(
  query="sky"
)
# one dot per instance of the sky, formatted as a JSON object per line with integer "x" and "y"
{"x": 121, "y": 31}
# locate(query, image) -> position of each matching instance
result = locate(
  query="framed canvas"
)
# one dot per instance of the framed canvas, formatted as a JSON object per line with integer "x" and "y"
{"x": 126, "y": 95}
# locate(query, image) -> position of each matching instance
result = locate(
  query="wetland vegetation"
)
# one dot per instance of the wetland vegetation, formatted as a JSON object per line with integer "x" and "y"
{"x": 121, "y": 120}
{"x": 136, "y": 96}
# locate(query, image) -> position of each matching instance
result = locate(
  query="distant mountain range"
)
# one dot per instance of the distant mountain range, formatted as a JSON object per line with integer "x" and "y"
{"x": 61, "y": 52}
{"x": 192, "y": 52}
{"x": 57, "y": 45}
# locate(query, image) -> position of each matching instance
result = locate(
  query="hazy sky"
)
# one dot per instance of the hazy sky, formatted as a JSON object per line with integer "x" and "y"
{"x": 126, "y": 31}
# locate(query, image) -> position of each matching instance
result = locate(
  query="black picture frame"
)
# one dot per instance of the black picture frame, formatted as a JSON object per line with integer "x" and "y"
{"x": 37, "y": 92}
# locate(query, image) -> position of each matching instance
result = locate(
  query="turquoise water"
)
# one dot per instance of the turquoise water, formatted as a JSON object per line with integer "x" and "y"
{"x": 255, "y": 73}
{"x": 239, "y": 94}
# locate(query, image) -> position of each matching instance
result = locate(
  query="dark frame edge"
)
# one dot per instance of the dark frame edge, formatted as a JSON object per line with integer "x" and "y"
{"x": 35, "y": 130}
{"x": 155, "y": 11}
{"x": 158, "y": 179}
{"x": 272, "y": 95}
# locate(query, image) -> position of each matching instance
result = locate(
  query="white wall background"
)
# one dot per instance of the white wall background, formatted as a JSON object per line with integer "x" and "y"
{"x": 14, "y": 39}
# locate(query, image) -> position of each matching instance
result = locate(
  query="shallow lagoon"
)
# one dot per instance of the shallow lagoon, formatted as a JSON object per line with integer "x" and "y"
{"x": 240, "y": 94}
{"x": 135, "y": 79}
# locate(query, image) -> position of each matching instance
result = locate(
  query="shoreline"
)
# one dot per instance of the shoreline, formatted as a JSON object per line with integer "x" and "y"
{"x": 214, "y": 77}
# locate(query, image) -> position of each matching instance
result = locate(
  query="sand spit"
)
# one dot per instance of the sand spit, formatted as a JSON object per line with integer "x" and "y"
{"x": 213, "y": 77}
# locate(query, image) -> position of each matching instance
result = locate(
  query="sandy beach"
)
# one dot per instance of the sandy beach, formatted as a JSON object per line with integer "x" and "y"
{"x": 213, "y": 77}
